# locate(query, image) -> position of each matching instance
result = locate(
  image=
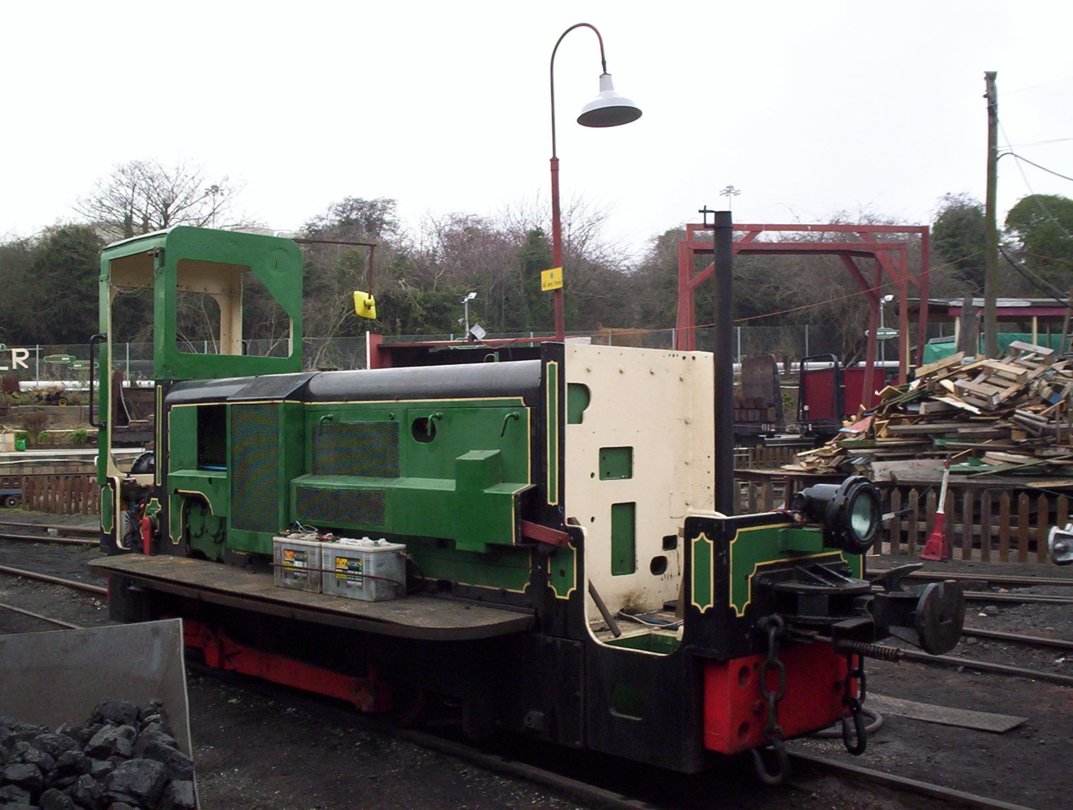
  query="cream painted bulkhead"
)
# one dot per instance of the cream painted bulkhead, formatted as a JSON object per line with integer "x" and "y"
{"x": 659, "y": 404}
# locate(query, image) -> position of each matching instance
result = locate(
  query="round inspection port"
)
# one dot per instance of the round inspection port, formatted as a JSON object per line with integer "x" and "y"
{"x": 423, "y": 429}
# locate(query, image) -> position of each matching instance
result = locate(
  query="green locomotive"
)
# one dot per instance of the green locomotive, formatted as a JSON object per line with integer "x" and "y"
{"x": 565, "y": 573}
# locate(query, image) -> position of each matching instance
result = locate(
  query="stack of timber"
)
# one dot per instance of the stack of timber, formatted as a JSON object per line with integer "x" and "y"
{"x": 1011, "y": 415}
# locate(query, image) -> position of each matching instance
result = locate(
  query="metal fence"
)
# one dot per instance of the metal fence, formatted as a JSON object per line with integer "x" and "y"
{"x": 69, "y": 364}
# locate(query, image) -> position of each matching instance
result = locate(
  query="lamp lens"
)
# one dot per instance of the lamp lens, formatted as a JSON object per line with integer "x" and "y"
{"x": 863, "y": 515}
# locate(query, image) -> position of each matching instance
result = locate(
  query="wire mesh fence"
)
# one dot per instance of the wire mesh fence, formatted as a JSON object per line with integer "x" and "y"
{"x": 69, "y": 364}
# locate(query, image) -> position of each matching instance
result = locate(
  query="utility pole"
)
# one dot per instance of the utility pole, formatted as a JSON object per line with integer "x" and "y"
{"x": 991, "y": 231}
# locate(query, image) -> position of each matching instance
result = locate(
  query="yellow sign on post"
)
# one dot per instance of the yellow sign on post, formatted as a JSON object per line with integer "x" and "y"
{"x": 551, "y": 279}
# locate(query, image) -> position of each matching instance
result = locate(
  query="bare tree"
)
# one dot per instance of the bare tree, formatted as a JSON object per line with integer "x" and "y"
{"x": 141, "y": 196}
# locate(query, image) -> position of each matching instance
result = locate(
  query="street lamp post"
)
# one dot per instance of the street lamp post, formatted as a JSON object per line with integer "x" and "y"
{"x": 886, "y": 299}
{"x": 213, "y": 190}
{"x": 608, "y": 109}
{"x": 465, "y": 313}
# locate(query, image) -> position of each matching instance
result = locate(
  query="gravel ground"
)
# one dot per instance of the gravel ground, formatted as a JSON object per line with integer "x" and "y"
{"x": 262, "y": 747}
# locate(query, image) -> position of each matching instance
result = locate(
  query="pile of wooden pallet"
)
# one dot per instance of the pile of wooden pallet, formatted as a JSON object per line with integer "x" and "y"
{"x": 1006, "y": 415}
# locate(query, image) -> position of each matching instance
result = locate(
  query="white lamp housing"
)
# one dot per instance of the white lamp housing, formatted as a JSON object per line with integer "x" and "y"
{"x": 608, "y": 109}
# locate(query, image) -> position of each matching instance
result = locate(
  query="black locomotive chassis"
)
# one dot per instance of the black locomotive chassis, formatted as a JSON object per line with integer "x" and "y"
{"x": 553, "y": 681}
{"x": 523, "y": 682}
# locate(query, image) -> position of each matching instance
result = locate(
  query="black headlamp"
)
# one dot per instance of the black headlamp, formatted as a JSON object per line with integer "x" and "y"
{"x": 848, "y": 512}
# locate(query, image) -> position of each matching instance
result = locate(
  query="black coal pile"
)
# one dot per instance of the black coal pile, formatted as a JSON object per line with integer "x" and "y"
{"x": 123, "y": 758}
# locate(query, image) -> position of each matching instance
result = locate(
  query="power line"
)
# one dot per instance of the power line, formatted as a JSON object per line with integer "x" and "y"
{"x": 1035, "y": 86}
{"x": 1033, "y": 279}
{"x": 1035, "y": 197}
{"x": 1040, "y": 143}
{"x": 1043, "y": 168}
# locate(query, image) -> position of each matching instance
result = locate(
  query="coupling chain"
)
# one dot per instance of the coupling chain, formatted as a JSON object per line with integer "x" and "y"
{"x": 854, "y": 733}
{"x": 773, "y": 626}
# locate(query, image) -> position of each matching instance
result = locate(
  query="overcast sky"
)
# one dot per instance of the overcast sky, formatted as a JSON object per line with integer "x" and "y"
{"x": 810, "y": 109}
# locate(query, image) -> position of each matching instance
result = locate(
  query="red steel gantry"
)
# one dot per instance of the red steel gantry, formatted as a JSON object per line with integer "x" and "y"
{"x": 890, "y": 266}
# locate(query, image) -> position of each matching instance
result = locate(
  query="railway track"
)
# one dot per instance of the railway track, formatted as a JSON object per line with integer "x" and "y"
{"x": 39, "y": 617}
{"x": 38, "y": 576}
{"x": 48, "y": 538}
{"x": 604, "y": 797}
{"x": 1005, "y": 580}
{"x": 608, "y": 796}
{"x": 948, "y": 797}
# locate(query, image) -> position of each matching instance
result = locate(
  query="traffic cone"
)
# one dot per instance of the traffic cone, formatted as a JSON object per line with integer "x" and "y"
{"x": 935, "y": 548}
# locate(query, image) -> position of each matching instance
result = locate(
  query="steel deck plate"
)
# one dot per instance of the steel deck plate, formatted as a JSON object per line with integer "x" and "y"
{"x": 414, "y": 616}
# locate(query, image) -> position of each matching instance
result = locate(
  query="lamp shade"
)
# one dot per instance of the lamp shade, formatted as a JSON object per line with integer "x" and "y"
{"x": 608, "y": 109}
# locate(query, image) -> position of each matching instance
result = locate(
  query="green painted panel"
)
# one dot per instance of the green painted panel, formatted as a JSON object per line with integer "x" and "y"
{"x": 456, "y": 429}
{"x": 702, "y": 586}
{"x": 623, "y": 538}
{"x": 275, "y": 262}
{"x": 450, "y": 469}
{"x": 551, "y": 422}
{"x": 578, "y": 398}
{"x": 473, "y": 517}
{"x": 249, "y": 542}
{"x": 267, "y": 451}
{"x": 801, "y": 541}
{"x": 627, "y": 701}
{"x": 616, "y": 463}
{"x": 753, "y": 549}
{"x": 648, "y": 642}
{"x": 212, "y": 486}
{"x": 562, "y": 571}
{"x": 500, "y": 567}
{"x": 107, "y": 510}
{"x": 182, "y": 438}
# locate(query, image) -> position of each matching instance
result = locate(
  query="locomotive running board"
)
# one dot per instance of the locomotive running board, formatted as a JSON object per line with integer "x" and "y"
{"x": 415, "y": 616}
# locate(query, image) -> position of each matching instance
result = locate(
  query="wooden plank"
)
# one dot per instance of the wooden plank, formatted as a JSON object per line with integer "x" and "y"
{"x": 929, "y": 511}
{"x": 945, "y": 715}
{"x": 985, "y": 526}
{"x": 895, "y": 524}
{"x": 1004, "y": 526}
{"x": 1043, "y": 516}
{"x": 914, "y": 521}
{"x": 1020, "y": 345}
{"x": 1010, "y": 371}
{"x": 930, "y": 368}
{"x": 767, "y": 500}
{"x": 976, "y": 393}
{"x": 931, "y": 407}
{"x": 958, "y": 403}
{"x": 1022, "y": 527}
{"x": 967, "y": 498}
{"x": 915, "y": 469}
{"x": 924, "y": 427}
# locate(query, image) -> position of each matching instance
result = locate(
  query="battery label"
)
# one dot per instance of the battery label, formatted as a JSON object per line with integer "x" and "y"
{"x": 350, "y": 570}
{"x": 295, "y": 558}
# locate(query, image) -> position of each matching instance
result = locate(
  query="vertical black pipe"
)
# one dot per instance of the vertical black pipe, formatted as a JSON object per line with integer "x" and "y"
{"x": 724, "y": 363}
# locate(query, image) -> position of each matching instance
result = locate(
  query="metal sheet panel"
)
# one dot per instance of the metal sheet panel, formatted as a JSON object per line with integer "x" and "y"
{"x": 60, "y": 676}
{"x": 255, "y": 466}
